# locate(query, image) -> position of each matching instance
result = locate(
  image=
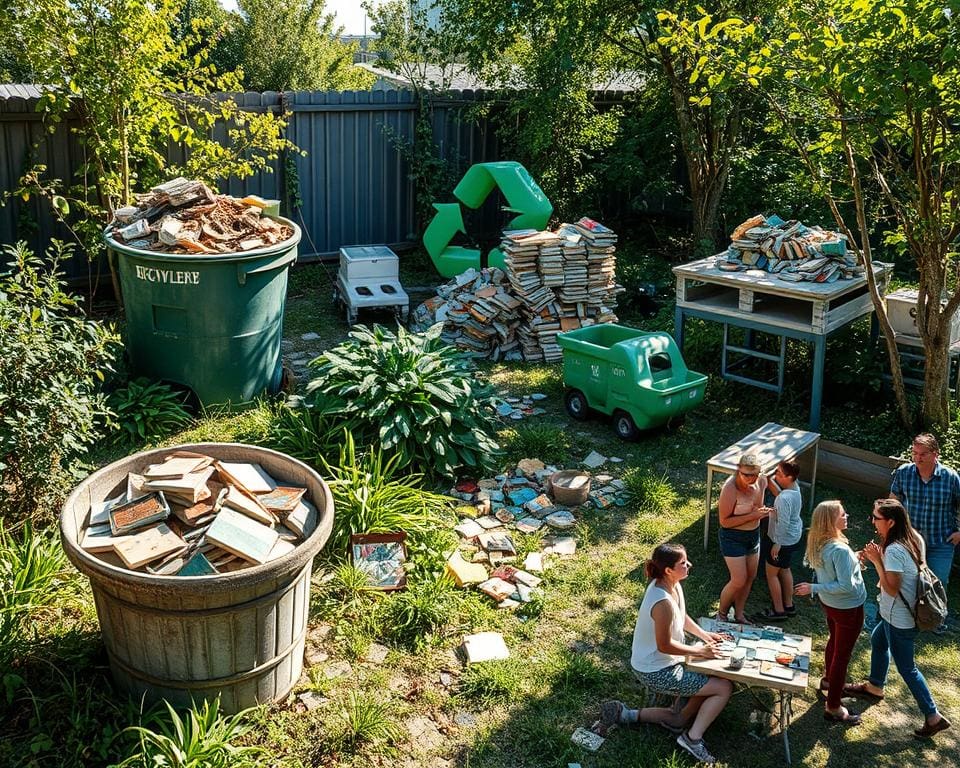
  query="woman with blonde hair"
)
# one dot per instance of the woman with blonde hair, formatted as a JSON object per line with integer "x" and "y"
{"x": 839, "y": 586}
{"x": 897, "y": 559}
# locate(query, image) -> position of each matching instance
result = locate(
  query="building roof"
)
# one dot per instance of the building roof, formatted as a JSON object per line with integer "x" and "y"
{"x": 459, "y": 78}
{"x": 20, "y": 91}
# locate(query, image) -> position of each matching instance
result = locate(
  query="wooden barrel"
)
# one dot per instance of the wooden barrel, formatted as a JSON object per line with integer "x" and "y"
{"x": 239, "y": 635}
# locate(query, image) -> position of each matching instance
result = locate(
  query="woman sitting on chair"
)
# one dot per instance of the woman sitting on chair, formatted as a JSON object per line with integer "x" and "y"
{"x": 659, "y": 650}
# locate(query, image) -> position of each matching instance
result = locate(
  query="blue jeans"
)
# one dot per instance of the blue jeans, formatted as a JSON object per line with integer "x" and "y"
{"x": 940, "y": 559}
{"x": 886, "y": 641}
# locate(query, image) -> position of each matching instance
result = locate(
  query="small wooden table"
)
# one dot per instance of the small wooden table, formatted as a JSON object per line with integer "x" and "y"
{"x": 754, "y": 300}
{"x": 773, "y": 443}
{"x": 750, "y": 675}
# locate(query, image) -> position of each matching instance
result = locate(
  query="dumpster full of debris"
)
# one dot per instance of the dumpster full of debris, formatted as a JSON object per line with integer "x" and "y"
{"x": 204, "y": 283}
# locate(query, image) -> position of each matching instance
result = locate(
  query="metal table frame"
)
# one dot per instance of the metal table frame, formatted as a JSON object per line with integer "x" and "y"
{"x": 748, "y": 677}
{"x": 815, "y": 312}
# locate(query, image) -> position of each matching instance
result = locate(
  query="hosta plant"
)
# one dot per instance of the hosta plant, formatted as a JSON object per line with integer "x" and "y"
{"x": 147, "y": 410}
{"x": 411, "y": 393}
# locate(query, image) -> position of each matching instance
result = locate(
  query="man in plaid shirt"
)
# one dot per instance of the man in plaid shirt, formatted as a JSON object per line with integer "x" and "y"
{"x": 930, "y": 492}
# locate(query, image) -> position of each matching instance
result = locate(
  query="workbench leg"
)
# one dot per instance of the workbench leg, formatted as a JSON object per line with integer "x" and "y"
{"x": 706, "y": 513}
{"x": 813, "y": 477}
{"x": 678, "y": 318}
{"x": 816, "y": 394}
{"x": 785, "y": 707}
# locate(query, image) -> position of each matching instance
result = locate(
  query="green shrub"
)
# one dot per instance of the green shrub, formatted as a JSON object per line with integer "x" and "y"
{"x": 53, "y": 361}
{"x": 651, "y": 494}
{"x": 367, "y": 722}
{"x": 305, "y": 433}
{"x": 494, "y": 682}
{"x": 147, "y": 410}
{"x": 415, "y": 396}
{"x": 370, "y": 497}
{"x": 347, "y": 592}
{"x": 31, "y": 565}
{"x": 204, "y": 738}
{"x": 416, "y": 616}
{"x": 548, "y": 443}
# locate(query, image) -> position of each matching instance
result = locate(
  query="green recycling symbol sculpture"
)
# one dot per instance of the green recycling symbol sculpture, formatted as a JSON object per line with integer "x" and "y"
{"x": 523, "y": 197}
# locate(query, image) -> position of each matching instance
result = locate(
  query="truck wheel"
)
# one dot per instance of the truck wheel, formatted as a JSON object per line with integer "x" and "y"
{"x": 624, "y": 427}
{"x": 576, "y": 404}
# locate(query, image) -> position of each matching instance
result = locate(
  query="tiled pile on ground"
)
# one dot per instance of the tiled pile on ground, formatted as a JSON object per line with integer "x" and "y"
{"x": 517, "y": 408}
{"x": 183, "y": 216}
{"x": 191, "y": 515}
{"x": 554, "y": 281}
{"x": 789, "y": 249}
{"x": 517, "y": 501}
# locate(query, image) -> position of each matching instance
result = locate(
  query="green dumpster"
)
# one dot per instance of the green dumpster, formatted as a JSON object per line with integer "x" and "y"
{"x": 212, "y": 323}
{"x": 638, "y": 378}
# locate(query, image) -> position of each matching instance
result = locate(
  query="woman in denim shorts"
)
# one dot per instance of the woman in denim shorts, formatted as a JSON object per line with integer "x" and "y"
{"x": 659, "y": 650}
{"x": 741, "y": 510}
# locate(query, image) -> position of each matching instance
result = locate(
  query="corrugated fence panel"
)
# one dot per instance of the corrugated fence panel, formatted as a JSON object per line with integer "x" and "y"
{"x": 354, "y": 180}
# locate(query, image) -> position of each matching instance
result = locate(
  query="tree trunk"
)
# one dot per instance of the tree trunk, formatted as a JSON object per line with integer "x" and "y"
{"x": 935, "y": 411}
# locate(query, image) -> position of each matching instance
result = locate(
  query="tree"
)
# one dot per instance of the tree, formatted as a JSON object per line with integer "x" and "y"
{"x": 293, "y": 45}
{"x": 876, "y": 84}
{"x": 546, "y": 59}
{"x": 117, "y": 64}
{"x": 650, "y": 39}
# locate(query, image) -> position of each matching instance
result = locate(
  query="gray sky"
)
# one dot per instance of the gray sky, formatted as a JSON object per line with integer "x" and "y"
{"x": 349, "y": 13}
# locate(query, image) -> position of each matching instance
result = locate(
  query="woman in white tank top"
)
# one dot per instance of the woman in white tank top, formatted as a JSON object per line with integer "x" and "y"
{"x": 659, "y": 650}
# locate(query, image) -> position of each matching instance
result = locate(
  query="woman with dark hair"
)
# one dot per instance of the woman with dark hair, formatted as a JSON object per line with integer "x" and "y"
{"x": 839, "y": 586}
{"x": 659, "y": 650}
{"x": 897, "y": 560}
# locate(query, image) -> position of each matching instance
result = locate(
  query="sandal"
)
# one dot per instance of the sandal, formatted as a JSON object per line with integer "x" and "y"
{"x": 676, "y": 730}
{"x": 860, "y": 689}
{"x": 790, "y": 610}
{"x": 772, "y": 615}
{"x": 847, "y": 718}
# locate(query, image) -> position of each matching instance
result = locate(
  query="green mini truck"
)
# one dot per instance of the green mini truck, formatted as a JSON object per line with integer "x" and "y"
{"x": 638, "y": 378}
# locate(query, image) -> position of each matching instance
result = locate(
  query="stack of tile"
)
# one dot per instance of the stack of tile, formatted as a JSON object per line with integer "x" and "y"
{"x": 191, "y": 515}
{"x": 554, "y": 281}
{"x": 789, "y": 249}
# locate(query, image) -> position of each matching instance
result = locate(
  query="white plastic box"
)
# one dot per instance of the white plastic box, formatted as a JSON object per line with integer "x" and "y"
{"x": 902, "y": 311}
{"x": 369, "y": 277}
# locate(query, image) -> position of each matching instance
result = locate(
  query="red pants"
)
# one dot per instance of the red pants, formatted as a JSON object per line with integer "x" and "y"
{"x": 844, "y": 625}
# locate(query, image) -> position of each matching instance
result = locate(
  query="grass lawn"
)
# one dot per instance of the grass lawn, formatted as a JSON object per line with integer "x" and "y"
{"x": 382, "y": 703}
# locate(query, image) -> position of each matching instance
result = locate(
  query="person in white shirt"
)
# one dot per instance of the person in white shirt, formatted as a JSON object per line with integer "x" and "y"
{"x": 897, "y": 559}
{"x": 659, "y": 650}
{"x": 784, "y": 530}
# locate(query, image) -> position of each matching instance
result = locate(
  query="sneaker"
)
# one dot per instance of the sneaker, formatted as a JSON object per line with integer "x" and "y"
{"x": 610, "y": 712}
{"x": 696, "y": 748}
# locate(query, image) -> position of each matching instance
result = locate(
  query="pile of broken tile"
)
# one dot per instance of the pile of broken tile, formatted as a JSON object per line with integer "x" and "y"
{"x": 517, "y": 408}
{"x": 554, "y": 281}
{"x": 193, "y": 515}
{"x": 516, "y": 501}
{"x": 791, "y": 250}
{"x": 184, "y": 216}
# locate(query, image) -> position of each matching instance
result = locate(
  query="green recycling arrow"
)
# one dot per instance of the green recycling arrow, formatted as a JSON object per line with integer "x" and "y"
{"x": 523, "y": 197}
